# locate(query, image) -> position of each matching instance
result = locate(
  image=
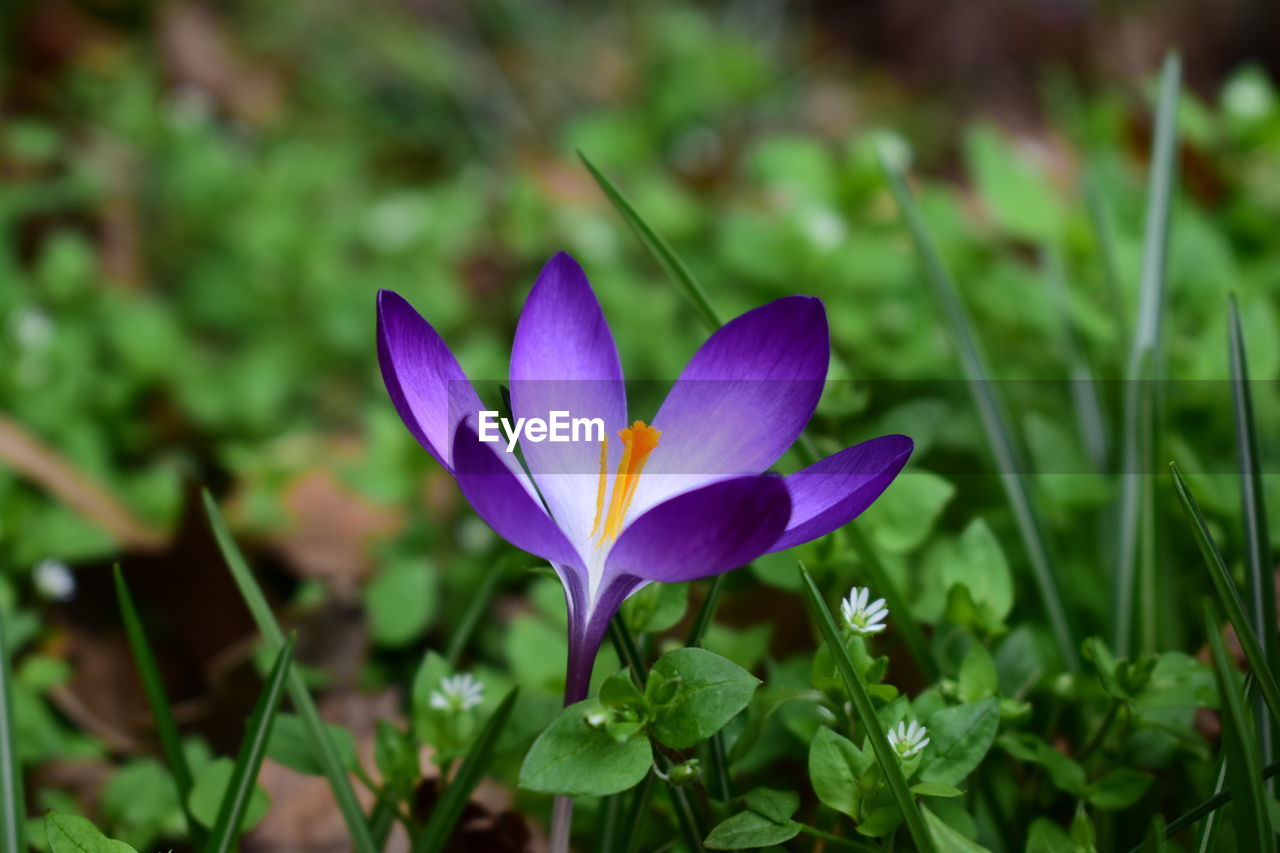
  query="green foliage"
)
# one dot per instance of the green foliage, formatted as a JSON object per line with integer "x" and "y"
{"x": 694, "y": 693}
{"x": 73, "y": 834}
{"x": 210, "y": 788}
{"x": 576, "y": 756}
{"x": 291, "y": 745}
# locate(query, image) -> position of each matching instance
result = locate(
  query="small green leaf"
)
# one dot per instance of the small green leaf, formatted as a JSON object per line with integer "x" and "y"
{"x": 711, "y": 691}
{"x": 210, "y": 788}
{"x": 777, "y": 806}
{"x": 902, "y": 517}
{"x": 979, "y": 563}
{"x": 401, "y": 600}
{"x": 1119, "y": 789}
{"x": 960, "y": 737}
{"x": 292, "y": 746}
{"x": 936, "y": 789}
{"x": 396, "y": 757}
{"x": 749, "y": 830}
{"x": 834, "y": 767}
{"x": 1047, "y": 837}
{"x": 977, "y": 679}
{"x": 68, "y": 833}
{"x": 656, "y": 607}
{"x": 570, "y": 758}
{"x": 946, "y": 839}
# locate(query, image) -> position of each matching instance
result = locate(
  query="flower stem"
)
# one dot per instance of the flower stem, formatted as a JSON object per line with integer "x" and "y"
{"x": 561, "y": 822}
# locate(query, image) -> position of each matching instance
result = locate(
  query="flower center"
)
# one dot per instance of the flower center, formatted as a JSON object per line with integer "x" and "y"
{"x": 638, "y": 441}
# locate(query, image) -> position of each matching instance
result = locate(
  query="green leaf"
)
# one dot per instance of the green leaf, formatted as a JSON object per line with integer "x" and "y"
{"x": 1155, "y": 836}
{"x": 777, "y": 806}
{"x": 570, "y": 758}
{"x": 242, "y": 783}
{"x": 401, "y": 599}
{"x": 330, "y": 759}
{"x": 1119, "y": 789}
{"x": 13, "y": 811}
{"x": 396, "y": 756}
{"x": 445, "y": 815}
{"x": 834, "y": 767}
{"x": 656, "y": 607}
{"x": 711, "y": 691}
{"x": 960, "y": 737}
{"x": 210, "y": 789}
{"x": 978, "y": 563}
{"x": 946, "y": 839}
{"x": 866, "y": 716}
{"x": 1249, "y": 801}
{"x": 1014, "y": 192}
{"x": 1047, "y": 837}
{"x": 69, "y": 833}
{"x": 153, "y": 687}
{"x": 993, "y": 415}
{"x": 749, "y": 830}
{"x": 936, "y": 789}
{"x": 977, "y": 679}
{"x": 291, "y": 745}
{"x": 903, "y": 516}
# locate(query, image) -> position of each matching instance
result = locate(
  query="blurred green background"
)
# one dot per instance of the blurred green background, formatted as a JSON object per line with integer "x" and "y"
{"x": 200, "y": 201}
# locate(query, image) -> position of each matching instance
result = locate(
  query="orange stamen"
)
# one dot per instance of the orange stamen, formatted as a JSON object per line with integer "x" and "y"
{"x": 604, "y": 482}
{"x": 638, "y": 441}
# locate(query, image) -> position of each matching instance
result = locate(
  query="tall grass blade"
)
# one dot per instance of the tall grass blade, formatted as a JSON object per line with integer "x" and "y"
{"x": 1251, "y": 820}
{"x": 13, "y": 809}
{"x": 991, "y": 412}
{"x": 866, "y": 714}
{"x": 1229, "y": 597}
{"x": 1261, "y": 596}
{"x": 1135, "y": 565}
{"x": 658, "y": 247}
{"x": 153, "y": 687}
{"x": 1155, "y": 836}
{"x": 343, "y": 794}
{"x": 244, "y": 775}
{"x": 1084, "y": 391}
{"x": 1207, "y": 838}
{"x": 479, "y": 757}
{"x": 1104, "y": 235}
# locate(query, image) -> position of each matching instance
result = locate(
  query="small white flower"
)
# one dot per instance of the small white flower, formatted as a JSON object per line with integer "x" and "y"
{"x": 54, "y": 580}
{"x": 861, "y": 617}
{"x": 458, "y": 693}
{"x": 908, "y": 740}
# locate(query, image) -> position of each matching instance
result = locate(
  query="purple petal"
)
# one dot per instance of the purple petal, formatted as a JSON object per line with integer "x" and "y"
{"x": 425, "y": 381}
{"x": 564, "y": 359}
{"x": 505, "y": 503}
{"x": 742, "y": 400}
{"x": 703, "y": 532}
{"x": 834, "y": 491}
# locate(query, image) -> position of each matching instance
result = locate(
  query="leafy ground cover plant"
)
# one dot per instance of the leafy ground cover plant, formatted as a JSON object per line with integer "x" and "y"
{"x": 1014, "y": 699}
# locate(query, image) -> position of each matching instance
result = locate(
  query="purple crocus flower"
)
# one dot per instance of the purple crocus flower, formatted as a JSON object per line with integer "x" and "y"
{"x": 688, "y": 497}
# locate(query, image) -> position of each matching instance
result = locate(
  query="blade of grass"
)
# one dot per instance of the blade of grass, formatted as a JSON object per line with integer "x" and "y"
{"x": 1207, "y": 839}
{"x": 992, "y": 414}
{"x": 1262, "y": 590}
{"x": 475, "y": 611}
{"x": 658, "y": 247}
{"x": 13, "y": 809}
{"x": 153, "y": 687}
{"x": 1136, "y": 532}
{"x": 1100, "y": 220}
{"x": 244, "y": 775}
{"x": 479, "y": 757}
{"x": 866, "y": 714}
{"x": 327, "y": 753}
{"x": 1084, "y": 391}
{"x": 1229, "y": 597}
{"x": 1252, "y": 823}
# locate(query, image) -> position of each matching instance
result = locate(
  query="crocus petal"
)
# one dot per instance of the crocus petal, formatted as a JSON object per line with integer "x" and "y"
{"x": 742, "y": 399}
{"x": 703, "y": 532}
{"x": 425, "y": 381}
{"x": 504, "y": 502}
{"x": 564, "y": 359}
{"x": 834, "y": 491}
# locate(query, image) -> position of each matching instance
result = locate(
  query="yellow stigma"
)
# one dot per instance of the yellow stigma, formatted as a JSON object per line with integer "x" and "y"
{"x": 638, "y": 441}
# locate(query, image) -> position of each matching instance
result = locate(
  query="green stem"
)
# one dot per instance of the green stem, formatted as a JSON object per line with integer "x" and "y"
{"x": 1101, "y": 733}
{"x": 837, "y": 840}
